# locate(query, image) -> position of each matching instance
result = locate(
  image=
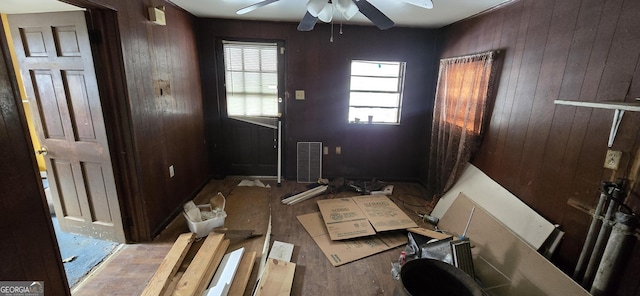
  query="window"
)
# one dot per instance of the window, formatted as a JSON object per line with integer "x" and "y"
{"x": 251, "y": 78}
{"x": 464, "y": 88}
{"x": 376, "y": 91}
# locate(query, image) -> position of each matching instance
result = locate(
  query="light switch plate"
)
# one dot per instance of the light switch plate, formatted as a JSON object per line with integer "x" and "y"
{"x": 299, "y": 94}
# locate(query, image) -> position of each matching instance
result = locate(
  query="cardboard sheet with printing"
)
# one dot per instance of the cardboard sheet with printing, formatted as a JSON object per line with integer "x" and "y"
{"x": 362, "y": 216}
{"x": 344, "y": 219}
{"x": 345, "y": 251}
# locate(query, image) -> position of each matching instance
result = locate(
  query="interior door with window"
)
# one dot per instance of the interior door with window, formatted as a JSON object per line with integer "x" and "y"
{"x": 56, "y": 64}
{"x": 252, "y": 104}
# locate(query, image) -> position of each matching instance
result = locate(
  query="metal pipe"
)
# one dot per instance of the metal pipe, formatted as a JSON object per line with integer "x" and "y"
{"x": 619, "y": 248}
{"x": 587, "y": 248}
{"x": 598, "y": 248}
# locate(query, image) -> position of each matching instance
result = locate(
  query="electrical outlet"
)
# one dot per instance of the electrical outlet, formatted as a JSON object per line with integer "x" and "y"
{"x": 612, "y": 160}
{"x": 338, "y": 150}
{"x": 172, "y": 172}
{"x": 325, "y": 150}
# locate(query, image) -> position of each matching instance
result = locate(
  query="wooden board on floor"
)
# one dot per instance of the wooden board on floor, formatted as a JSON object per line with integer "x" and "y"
{"x": 193, "y": 281}
{"x": 162, "y": 278}
{"x": 429, "y": 233}
{"x": 277, "y": 278}
{"x": 248, "y": 208}
{"x": 239, "y": 283}
{"x": 217, "y": 258}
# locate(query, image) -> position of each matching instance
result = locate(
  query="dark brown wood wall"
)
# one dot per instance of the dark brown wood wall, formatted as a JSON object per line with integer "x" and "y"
{"x": 321, "y": 68}
{"x": 552, "y": 156}
{"x": 28, "y": 248}
{"x": 168, "y": 128}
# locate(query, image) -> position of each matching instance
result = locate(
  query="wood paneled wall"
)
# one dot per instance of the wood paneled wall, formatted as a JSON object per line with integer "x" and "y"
{"x": 166, "y": 128}
{"x": 321, "y": 68}
{"x": 28, "y": 248}
{"x": 552, "y": 156}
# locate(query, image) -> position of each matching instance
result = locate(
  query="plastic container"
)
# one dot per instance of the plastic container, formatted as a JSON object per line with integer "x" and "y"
{"x": 202, "y": 229}
{"x": 436, "y": 278}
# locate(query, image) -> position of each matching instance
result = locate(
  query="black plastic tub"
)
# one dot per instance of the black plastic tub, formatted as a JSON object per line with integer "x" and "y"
{"x": 431, "y": 277}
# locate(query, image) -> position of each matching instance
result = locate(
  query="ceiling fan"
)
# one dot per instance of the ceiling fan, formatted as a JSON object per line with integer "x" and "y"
{"x": 324, "y": 9}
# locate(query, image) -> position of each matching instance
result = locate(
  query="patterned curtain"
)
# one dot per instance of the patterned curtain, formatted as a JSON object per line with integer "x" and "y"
{"x": 459, "y": 117}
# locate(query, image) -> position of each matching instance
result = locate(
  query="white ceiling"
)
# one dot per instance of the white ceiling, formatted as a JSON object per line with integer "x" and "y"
{"x": 444, "y": 12}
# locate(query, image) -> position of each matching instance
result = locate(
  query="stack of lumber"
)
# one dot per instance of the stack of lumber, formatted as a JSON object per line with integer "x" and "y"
{"x": 168, "y": 280}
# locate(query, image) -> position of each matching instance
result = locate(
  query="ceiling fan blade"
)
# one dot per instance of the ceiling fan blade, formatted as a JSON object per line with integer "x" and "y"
{"x": 253, "y": 7}
{"x": 308, "y": 22}
{"x": 347, "y": 8}
{"x": 374, "y": 15}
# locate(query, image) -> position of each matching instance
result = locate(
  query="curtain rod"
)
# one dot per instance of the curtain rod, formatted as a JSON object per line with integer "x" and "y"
{"x": 472, "y": 56}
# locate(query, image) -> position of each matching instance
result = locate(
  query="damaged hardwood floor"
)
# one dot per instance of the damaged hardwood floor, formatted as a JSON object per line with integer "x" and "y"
{"x": 127, "y": 271}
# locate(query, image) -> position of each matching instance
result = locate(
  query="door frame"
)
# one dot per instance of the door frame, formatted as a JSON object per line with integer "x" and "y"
{"x": 108, "y": 59}
{"x": 106, "y": 46}
{"x": 45, "y": 246}
{"x": 221, "y": 96}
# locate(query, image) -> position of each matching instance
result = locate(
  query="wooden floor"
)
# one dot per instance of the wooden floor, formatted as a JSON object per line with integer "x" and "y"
{"x": 127, "y": 271}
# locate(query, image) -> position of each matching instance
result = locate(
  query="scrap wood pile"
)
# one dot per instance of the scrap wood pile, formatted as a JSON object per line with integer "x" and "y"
{"x": 212, "y": 272}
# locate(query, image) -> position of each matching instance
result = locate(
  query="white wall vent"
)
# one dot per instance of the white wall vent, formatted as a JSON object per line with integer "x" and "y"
{"x": 309, "y": 162}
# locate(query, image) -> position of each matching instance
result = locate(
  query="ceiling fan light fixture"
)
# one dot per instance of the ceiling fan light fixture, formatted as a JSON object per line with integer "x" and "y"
{"x": 428, "y": 4}
{"x": 326, "y": 14}
{"x": 314, "y": 7}
{"x": 347, "y": 8}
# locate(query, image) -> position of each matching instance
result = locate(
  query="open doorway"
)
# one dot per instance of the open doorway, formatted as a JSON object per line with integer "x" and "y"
{"x": 54, "y": 56}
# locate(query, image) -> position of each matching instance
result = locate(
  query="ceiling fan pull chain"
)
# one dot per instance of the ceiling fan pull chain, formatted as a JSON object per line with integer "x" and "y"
{"x": 331, "y": 39}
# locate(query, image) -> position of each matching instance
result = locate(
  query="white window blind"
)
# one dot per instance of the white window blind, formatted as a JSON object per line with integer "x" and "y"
{"x": 251, "y": 78}
{"x": 376, "y": 91}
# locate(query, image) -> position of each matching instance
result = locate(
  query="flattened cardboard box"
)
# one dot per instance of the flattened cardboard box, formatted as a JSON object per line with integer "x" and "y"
{"x": 344, "y": 219}
{"x": 358, "y": 216}
{"x": 349, "y": 250}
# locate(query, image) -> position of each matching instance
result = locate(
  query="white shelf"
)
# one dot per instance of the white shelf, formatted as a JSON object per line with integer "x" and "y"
{"x": 618, "y": 107}
{"x": 626, "y": 106}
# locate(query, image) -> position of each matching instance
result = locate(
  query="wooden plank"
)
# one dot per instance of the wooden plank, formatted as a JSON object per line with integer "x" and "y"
{"x": 217, "y": 258}
{"x": 169, "y": 266}
{"x": 255, "y": 217}
{"x": 174, "y": 283}
{"x": 277, "y": 278}
{"x": 193, "y": 279}
{"x": 239, "y": 283}
{"x": 429, "y": 233}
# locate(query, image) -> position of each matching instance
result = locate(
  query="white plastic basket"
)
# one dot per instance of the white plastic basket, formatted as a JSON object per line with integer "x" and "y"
{"x": 202, "y": 229}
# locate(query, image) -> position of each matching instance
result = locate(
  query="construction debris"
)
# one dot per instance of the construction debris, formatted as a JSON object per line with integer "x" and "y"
{"x": 305, "y": 195}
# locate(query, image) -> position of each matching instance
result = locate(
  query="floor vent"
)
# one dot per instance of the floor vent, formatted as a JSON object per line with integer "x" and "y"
{"x": 309, "y": 162}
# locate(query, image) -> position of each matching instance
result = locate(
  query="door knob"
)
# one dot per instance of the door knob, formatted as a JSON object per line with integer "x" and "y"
{"x": 42, "y": 151}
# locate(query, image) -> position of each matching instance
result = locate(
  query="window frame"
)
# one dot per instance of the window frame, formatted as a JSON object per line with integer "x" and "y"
{"x": 277, "y": 46}
{"x": 399, "y": 91}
